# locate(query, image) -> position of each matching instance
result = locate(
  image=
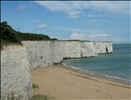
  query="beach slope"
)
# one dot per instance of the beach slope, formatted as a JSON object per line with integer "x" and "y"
{"x": 65, "y": 84}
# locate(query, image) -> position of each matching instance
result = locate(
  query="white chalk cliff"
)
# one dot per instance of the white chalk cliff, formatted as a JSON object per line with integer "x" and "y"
{"x": 46, "y": 53}
{"x": 16, "y": 78}
{"x": 17, "y": 61}
{"x": 103, "y": 47}
{"x": 43, "y": 53}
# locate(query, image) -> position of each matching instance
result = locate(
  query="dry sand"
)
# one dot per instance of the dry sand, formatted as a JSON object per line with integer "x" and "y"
{"x": 66, "y": 84}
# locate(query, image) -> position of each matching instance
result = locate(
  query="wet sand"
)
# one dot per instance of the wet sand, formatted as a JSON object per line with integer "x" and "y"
{"x": 66, "y": 84}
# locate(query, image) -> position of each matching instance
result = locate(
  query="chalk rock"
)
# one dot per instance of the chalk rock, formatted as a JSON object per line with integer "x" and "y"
{"x": 16, "y": 78}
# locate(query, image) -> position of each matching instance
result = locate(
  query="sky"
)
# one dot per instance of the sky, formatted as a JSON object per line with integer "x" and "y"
{"x": 83, "y": 20}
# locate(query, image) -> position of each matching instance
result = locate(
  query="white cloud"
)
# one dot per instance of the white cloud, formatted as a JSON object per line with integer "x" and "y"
{"x": 75, "y": 8}
{"x": 79, "y": 30}
{"x": 88, "y": 36}
{"x": 42, "y": 26}
{"x": 22, "y": 7}
{"x": 37, "y": 21}
{"x": 78, "y": 36}
{"x": 98, "y": 37}
{"x": 92, "y": 35}
{"x": 74, "y": 14}
{"x": 92, "y": 15}
{"x": 103, "y": 35}
{"x": 96, "y": 20}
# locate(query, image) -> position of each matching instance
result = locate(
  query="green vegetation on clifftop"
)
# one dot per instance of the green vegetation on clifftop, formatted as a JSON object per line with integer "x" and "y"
{"x": 10, "y": 36}
{"x": 32, "y": 37}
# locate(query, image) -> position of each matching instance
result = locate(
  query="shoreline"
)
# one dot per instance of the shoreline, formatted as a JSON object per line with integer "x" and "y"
{"x": 91, "y": 74}
{"x": 66, "y": 83}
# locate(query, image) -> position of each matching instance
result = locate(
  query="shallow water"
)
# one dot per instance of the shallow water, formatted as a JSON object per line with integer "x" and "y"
{"x": 116, "y": 65}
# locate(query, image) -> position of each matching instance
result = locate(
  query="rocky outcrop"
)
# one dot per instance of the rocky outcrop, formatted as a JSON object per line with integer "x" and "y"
{"x": 103, "y": 47}
{"x": 16, "y": 82}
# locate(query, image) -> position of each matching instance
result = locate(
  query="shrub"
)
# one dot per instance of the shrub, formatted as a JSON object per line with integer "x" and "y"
{"x": 35, "y": 86}
{"x": 40, "y": 97}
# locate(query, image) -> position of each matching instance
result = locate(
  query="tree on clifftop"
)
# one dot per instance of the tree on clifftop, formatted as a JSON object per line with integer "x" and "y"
{"x": 8, "y": 34}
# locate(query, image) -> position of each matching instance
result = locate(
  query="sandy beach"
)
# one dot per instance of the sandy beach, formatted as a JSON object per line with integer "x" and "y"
{"x": 65, "y": 84}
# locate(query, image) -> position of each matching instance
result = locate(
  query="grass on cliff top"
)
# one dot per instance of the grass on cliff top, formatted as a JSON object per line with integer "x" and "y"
{"x": 76, "y": 40}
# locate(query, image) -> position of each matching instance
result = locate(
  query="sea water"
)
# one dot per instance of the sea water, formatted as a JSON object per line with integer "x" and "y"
{"x": 116, "y": 65}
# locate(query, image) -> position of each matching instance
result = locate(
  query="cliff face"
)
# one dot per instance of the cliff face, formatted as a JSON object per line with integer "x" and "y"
{"x": 15, "y": 74}
{"x": 57, "y": 49}
{"x": 39, "y": 53}
{"x": 103, "y": 47}
{"x": 88, "y": 49}
{"x": 77, "y": 49}
{"x": 43, "y": 53}
{"x": 72, "y": 49}
{"x": 46, "y": 53}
